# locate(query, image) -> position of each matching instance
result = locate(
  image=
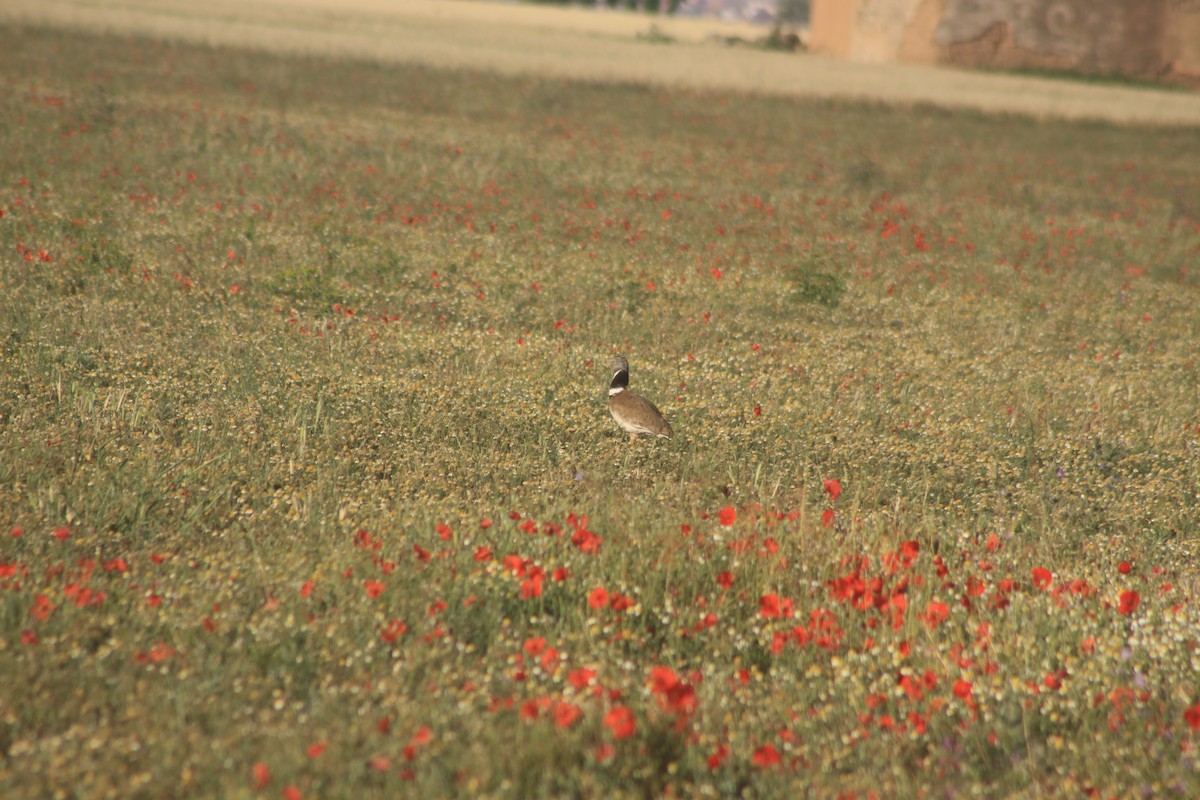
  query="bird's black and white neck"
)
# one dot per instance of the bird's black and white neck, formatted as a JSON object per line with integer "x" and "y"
{"x": 620, "y": 378}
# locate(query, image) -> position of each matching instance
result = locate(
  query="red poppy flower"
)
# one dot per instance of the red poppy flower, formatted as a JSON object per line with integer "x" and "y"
{"x": 828, "y": 517}
{"x": 621, "y": 602}
{"x": 674, "y": 695}
{"x": 580, "y": 678}
{"x": 1041, "y": 577}
{"x": 727, "y": 516}
{"x": 43, "y": 607}
{"x": 833, "y": 487}
{"x": 725, "y": 579}
{"x": 394, "y": 630}
{"x": 680, "y": 699}
{"x": 911, "y": 687}
{"x": 532, "y": 588}
{"x": 620, "y": 721}
{"x": 772, "y": 606}
{"x": 962, "y": 689}
{"x": 586, "y": 540}
{"x": 766, "y": 756}
{"x": 530, "y": 710}
{"x": 157, "y": 654}
{"x": 598, "y": 597}
{"x": 566, "y": 714}
{"x": 1192, "y": 716}
{"x": 261, "y": 774}
{"x": 1129, "y": 602}
{"x": 423, "y": 736}
{"x": 662, "y": 679}
{"x": 935, "y": 614}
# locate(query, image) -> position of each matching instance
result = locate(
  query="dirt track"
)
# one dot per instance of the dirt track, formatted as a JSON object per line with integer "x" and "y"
{"x": 586, "y": 44}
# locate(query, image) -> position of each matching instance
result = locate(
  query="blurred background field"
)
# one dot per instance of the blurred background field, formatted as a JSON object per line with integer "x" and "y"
{"x": 308, "y": 489}
{"x": 573, "y": 43}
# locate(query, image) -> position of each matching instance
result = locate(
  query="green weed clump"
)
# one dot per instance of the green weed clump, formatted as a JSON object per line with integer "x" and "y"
{"x": 308, "y": 487}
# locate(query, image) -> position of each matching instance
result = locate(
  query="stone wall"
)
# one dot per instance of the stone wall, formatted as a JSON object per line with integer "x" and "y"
{"x": 1181, "y": 43}
{"x": 1152, "y": 39}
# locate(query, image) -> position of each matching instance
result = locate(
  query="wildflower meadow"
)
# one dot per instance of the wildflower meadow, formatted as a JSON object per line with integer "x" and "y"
{"x": 308, "y": 488}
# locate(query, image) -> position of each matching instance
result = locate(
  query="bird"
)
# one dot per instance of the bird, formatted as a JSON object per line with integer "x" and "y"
{"x": 634, "y": 413}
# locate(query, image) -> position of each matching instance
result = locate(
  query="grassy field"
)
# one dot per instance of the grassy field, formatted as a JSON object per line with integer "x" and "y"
{"x": 308, "y": 488}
